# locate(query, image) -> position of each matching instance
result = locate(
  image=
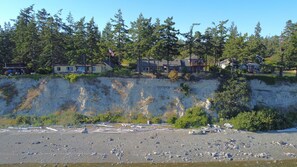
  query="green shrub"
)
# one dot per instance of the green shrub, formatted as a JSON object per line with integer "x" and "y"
{"x": 8, "y": 91}
{"x": 69, "y": 118}
{"x": 185, "y": 88}
{"x": 261, "y": 120}
{"x": 139, "y": 118}
{"x": 72, "y": 77}
{"x": 292, "y": 117}
{"x": 170, "y": 117}
{"x": 194, "y": 117}
{"x": 112, "y": 117}
{"x": 121, "y": 71}
{"x": 172, "y": 120}
{"x": 46, "y": 70}
{"x": 173, "y": 75}
{"x": 23, "y": 120}
{"x": 156, "y": 120}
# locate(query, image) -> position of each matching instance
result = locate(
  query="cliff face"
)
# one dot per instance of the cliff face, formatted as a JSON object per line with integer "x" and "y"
{"x": 282, "y": 96}
{"x": 98, "y": 95}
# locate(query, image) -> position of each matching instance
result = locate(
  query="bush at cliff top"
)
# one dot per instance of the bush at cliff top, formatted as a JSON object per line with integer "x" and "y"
{"x": 72, "y": 77}
{"x": 173, "y": 75}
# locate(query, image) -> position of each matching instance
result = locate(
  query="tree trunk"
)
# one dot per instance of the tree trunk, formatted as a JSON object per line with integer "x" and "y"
{"x": 139, "y": 65}
{"x": 167, "y": 66}
{"x": 149, "y": 65}
{"x": 281, "y": 71}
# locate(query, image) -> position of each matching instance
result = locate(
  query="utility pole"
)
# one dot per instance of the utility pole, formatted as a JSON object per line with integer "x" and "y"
{"x": 191, "y": 42}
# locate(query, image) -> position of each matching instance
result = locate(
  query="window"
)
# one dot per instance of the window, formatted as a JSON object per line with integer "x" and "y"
{"x": 69, "y": 68}
{"x": 58, "y": 68}
{"x": 93, "y": 68}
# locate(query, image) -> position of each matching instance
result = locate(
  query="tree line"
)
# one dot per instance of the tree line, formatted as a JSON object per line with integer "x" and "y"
{"x": 40, "y": 40}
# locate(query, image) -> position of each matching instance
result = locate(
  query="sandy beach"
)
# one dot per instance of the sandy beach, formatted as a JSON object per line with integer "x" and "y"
{"x": 127, "y": 143}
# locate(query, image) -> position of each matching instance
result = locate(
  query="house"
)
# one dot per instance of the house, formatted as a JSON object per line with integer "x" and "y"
{"x": 193, "y": 64}
{"x": 149, "y": 65}
{"x": 15, "y": 68}
{"x": 224, "y": 63}
{"x": 96, "y": 68}
{"x": 253, "y": 67}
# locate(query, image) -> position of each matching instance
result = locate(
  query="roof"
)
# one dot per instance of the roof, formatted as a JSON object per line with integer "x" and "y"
{"x": 80, "y": 65}
{"x": 193, "y": 56}
{"x": 153, "y": 62}
{"x": 14, "y": 65}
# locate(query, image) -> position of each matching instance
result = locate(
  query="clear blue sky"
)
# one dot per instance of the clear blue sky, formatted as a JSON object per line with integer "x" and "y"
{"x": 272, "y": 14}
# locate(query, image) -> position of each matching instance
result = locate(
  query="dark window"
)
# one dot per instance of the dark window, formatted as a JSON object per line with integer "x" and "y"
{"x": 58, "y": 68}
{"x": 69, "y": 68}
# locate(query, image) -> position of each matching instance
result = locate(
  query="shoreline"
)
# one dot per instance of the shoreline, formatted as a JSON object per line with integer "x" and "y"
{"x": 137, "y": 144}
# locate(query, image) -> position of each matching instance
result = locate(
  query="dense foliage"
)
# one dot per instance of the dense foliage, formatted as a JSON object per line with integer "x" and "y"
{"x": 40, "y": 40}
{"x": 194, "y": 117}
{"x": 262, "y": 120}
{"x": 232, "y": 98}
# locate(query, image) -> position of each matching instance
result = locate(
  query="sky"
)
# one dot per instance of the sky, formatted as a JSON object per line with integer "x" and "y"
{"x": 272, "y": 14}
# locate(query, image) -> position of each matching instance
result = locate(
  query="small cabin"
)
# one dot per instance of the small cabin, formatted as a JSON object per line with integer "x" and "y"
{"x": 89, "y": 69}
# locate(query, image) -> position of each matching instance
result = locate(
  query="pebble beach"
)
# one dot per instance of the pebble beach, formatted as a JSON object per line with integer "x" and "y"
{"x": 125, "y": 143}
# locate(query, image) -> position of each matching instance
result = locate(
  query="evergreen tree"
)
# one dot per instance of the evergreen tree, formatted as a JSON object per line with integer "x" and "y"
{"x": 156, "y": 41}
{"x": 106, "y": 44}
{"x": 255, "y": 44}
{"x": 169, "y": 40}
{"x": 51, "y": 40}
{"x": 140, "y": 32}
{"x": 26, "y": 39}
{"x": 6, "y": 44}
{"x": 120, "y": 34}
{"x": 93, "y": 39}
{"x": 288, "y": 46}
{"x": 80, "y": 44}
{"x": 235, "y": 46}
{"x": 68, "y": 36}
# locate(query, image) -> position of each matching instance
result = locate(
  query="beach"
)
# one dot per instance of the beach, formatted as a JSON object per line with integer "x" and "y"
{"x": 126, "y": 143}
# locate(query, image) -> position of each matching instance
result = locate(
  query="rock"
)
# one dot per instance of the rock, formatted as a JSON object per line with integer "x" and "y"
{"x": 228, "y": 125}
{"x": 148, "y": 158}
{"x": 193, "y": 132}
{"x": 104, "y": 155}
{"x": 214, "y": 154}
{"x": 282, "y": 143}
{"x": 228, "y": 155}
{"x": 18, "y": 143}
{"x": 94, "y": 153}
{"x": 156, "y": 153}
{"x": 157, "y": 142}
{"x": 85, "y": 131}
{"x": 30, "y": 153}
{"x": 262, "y": 155}
{"x": 38, "y": 142}
{"x": 113, "y": 151}
{"x": 293, "y": 155}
